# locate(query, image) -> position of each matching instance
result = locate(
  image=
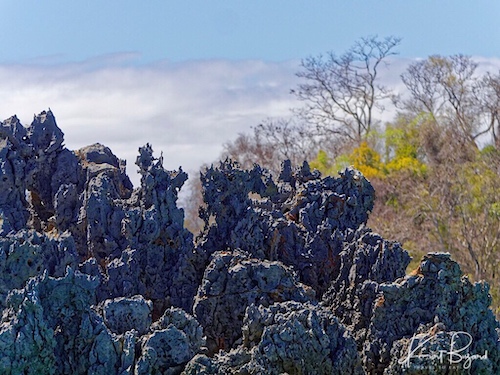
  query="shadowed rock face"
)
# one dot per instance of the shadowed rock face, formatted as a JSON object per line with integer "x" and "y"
{"x": 286, "y": 337}
{"x": 436, "y": 298}
{"x": 366, "y": 261}
{"x": 298, "y": 219}
{"x": 99, "y": 277}
{"x": 231, "y": 283}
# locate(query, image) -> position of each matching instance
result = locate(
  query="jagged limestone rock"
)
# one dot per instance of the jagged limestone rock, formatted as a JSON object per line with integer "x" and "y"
{"x": 366, "y": 261}
{"x": 13, "y": 152}
{"x": 299, "y": 219}
{"x": 100, "y": 207}
{"x": 88, "y": 194}
{"x": 437, "y": 351}
{"x": 49, "y": 327}
{"x": 436, "y": 295}
{"x": 184, "y": 322}
{"x": 125, "y": 314}
{"x": 288, "y": 337}
{"x": 157, "y": 257}
{"x": 232, "y": 282}
{"x": 46, "y": 168}
{"x": 172, "y": 342}
{"x": 27, "y": 253}
{"x": 267, "y": 246}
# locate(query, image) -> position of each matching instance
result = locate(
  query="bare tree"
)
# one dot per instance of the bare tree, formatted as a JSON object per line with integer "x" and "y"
{"x": 448, "y": 89}
{"x": 489, "y": 95}
{"x": 421, "y": 79}
{"x": 273, "y": 141}
{"x": 250, "y": 149}
{"x": 340, "y": 93}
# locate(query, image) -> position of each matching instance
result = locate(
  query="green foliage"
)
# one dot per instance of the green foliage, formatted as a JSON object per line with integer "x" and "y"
{"x": 402, "y": 154}
{"x": 322, "y": 162}
{"x": 402, "y": 147}
{"x": 406, "y": 163}
{"x": 327, "y": 166}
{"x": 494, "y": 210}
{"x": 489, "y": 151}
{"x": 341, "y": 162}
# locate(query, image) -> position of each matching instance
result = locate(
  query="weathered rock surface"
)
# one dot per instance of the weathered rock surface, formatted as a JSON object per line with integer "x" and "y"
{"x": 125, "y": 314}
{"x": 98, "y": 277}
{"x": 436, "y": 295}
{"x": 153, "y": 254}
{"x": 286, "y": 337}
{"x": 174, "y": 340}
{"x": 436, "y": 351}
{"x": 366, "y": 261}
{"x": 232, "y": 282}
{"x": 48, "y": 327}
{"x": 298, "y": 220}
{"x": 137, "y": 238}
{"x": 22, "y": 153}
{"x": 27, "y": 253}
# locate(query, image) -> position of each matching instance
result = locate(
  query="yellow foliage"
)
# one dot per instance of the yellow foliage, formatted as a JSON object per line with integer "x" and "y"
{"x": 367, "y": 161}
{"x": 401, "y": 155}
{"x": 406, "y": 163}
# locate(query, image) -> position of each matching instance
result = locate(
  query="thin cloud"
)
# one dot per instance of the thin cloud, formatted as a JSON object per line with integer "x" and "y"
{"x": 185, "y": 110}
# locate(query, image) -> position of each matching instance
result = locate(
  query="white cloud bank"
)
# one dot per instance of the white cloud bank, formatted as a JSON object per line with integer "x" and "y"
{"x": 185, "y": 110}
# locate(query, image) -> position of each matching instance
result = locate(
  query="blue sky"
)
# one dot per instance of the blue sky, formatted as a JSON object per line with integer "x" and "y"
{"x": 271, "y": 30}
{"x": 188, "y": 76}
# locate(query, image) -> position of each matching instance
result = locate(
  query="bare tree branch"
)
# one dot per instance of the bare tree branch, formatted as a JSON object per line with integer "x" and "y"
{"x": 340, "y": 92}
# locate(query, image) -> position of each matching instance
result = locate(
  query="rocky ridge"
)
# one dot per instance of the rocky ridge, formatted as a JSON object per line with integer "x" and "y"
{"x": 98, "y": 277}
